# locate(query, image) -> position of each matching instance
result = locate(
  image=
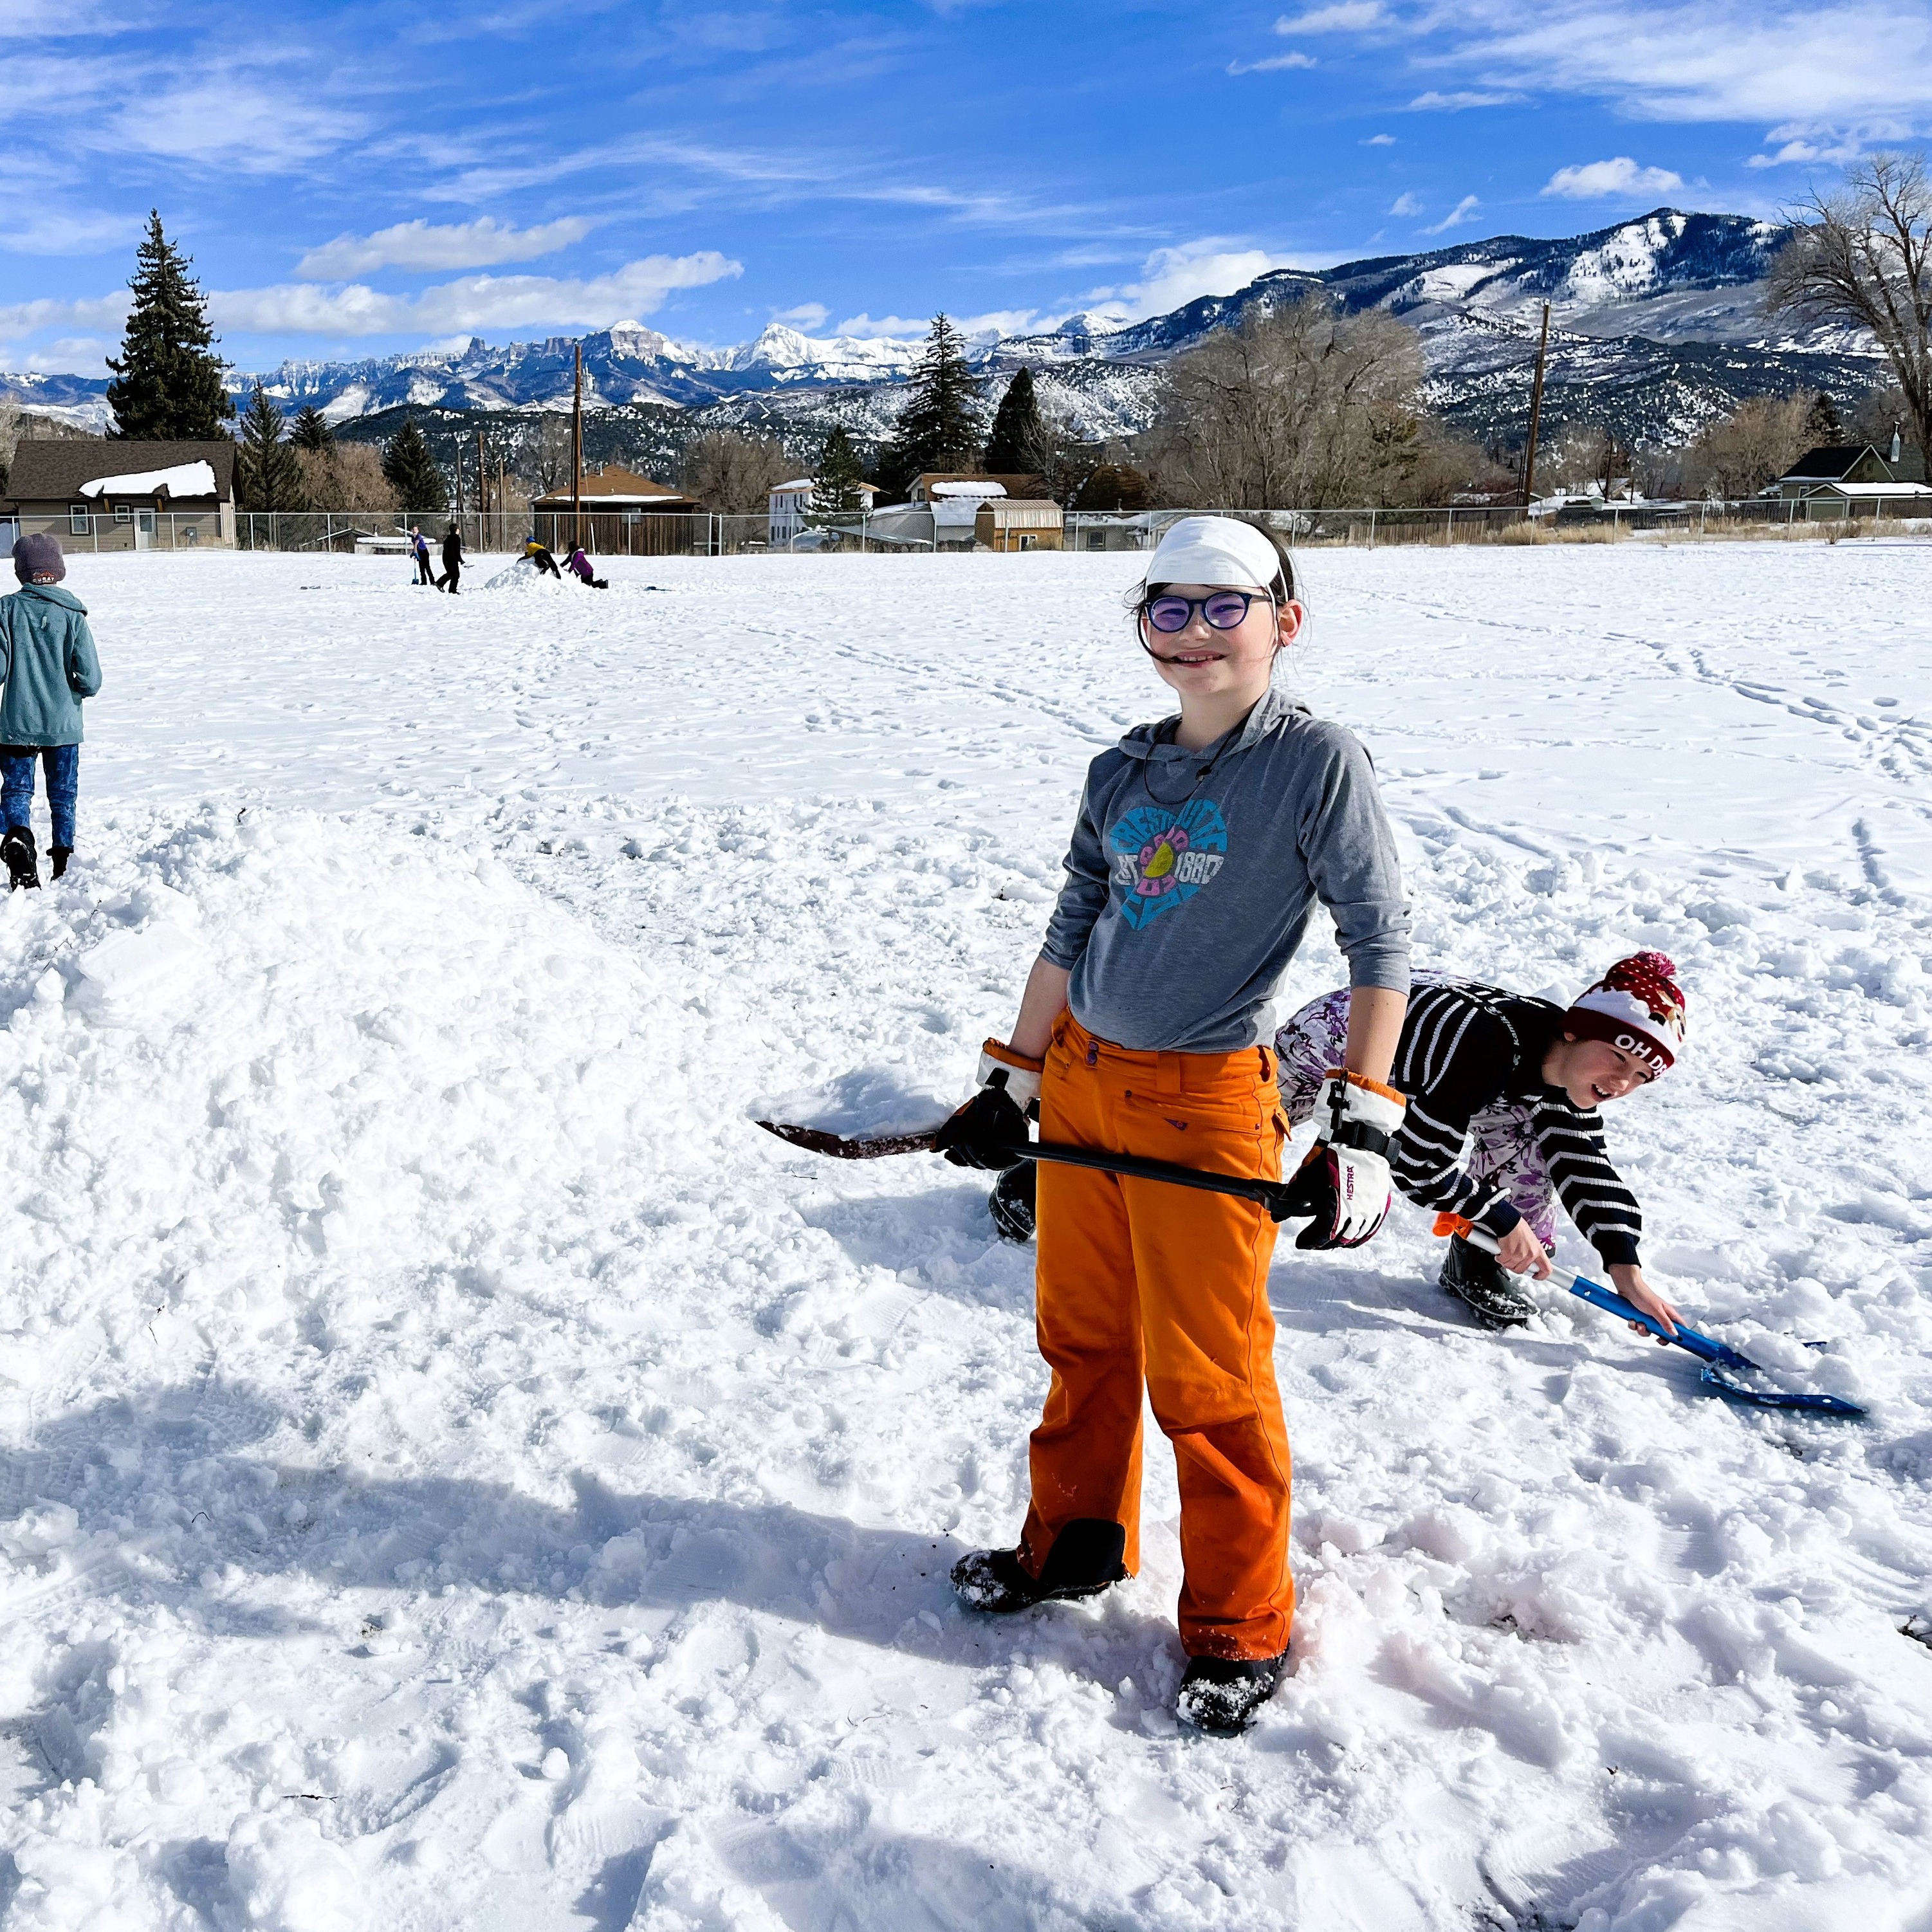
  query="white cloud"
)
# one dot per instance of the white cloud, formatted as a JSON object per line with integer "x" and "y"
{"x": 1433, "y": 102}
{"x": 884, "y": 325}
{"x": 807, "y": 316}
{"x": 1379, "y": 141}
{"x": 50, "y": 232}
{"x": 1406, "y": 204}
{"x": 1612, "y": 180}
{"x": 28, "y": 318}
{"x": 1833, "y": 64}
{"x": 1456, "y": 216}
{"x": 472, "y": 303}
{"x": 1172, "y": 277}
{"x": 1825, "y": 146}
{"x": 1279, "y": 64}
{"x": 480, "y": 244}
{"x": 1349, "y": 16}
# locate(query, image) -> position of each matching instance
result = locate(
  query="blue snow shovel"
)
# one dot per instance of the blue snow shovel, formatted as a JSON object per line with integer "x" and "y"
{"x": 1722, "y": 1364}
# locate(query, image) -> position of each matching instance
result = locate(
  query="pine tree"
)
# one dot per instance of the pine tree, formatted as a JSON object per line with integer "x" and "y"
{"x": 412, "y": 472}
{"x": 310, "y": 429}
{"x": 267, "y": 476}
{"x": 835, "y": 485}
{"x": 940, "y": 426}
{"x": 1821, "y": 420}
{"x": 1018, "y": 444}
{"x": 167, "y": 385}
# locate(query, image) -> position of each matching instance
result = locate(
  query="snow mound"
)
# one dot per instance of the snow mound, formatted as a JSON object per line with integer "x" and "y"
{"x": 523, "y": 575}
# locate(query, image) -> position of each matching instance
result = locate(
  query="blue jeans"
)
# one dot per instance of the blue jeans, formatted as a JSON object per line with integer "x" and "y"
{"x": 62, "y": 765}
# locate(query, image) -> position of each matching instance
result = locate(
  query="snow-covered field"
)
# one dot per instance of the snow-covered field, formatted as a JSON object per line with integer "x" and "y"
{"x": 456, "y": 1472}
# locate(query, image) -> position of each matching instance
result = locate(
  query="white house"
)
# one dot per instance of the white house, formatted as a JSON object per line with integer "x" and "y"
{"x": 791, "y": 504}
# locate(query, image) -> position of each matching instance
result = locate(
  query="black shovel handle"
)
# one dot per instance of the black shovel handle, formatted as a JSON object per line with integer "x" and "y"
{"x": 1278, "y": 1197}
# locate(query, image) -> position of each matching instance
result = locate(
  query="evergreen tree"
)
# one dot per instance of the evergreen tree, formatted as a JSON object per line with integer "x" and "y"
{"x": 1821, "y": 420}
{"x": 167, "y": 385}
{"x": 835, "y": 484}
{"x": 310, "y": 430}
{"x": 412, "y": 472}
{"x": 1018, "y": 444}
{"x": 267, "y": 475}
{"x": 940, "y": 426}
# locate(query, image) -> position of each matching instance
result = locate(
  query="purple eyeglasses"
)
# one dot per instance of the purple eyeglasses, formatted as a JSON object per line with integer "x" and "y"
{"x": 1224, "y": 610}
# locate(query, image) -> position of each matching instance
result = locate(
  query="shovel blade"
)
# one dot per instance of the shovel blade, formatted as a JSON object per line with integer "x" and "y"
{"x": 816, "y": 1140}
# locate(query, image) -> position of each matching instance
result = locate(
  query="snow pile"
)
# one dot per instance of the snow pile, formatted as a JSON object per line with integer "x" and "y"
{"x": 455, "y": 1469}
{"x": 184, "y": 479}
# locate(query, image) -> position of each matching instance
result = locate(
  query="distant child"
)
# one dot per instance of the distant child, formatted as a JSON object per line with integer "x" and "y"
{"x": 578, "y": 565}
{"x": 47, "y": 666}
{"x": 539, "y": 555}
{"x": 419, "y": 549}
{"x": 1502, "y": 1121}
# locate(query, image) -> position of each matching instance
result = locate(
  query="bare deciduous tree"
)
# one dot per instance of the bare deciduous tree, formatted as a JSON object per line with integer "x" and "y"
{"x": 1756, "y": 444}
{"x": 1863, "y": 256}
{"x": 1300, "y": 408}
{"x": 732, "y": 474}
{"x": 347, "y": 476}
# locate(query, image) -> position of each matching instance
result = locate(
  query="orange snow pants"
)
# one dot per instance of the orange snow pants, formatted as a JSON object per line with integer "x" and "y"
{"x": 1143, "y": 1285}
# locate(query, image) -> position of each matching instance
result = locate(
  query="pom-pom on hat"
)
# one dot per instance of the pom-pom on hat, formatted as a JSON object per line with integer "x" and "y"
{"x": 1637, "y": 1006}
{"x": 39, "y": 556}
{"x": 1222, "y": 552}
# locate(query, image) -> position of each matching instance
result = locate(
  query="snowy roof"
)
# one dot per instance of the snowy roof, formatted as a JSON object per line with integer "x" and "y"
{"x": 979, "y": 491}
{"x": 811, "y": 483}
{"x": 179, "y": 479}
{"x": 1863, "y": 491}
{"x": 51, "y": 470}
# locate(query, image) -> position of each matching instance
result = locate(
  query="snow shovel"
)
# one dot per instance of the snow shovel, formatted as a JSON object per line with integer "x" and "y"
{"x": 1722, "y": 1364}
{"x": 1278, "y": 1197}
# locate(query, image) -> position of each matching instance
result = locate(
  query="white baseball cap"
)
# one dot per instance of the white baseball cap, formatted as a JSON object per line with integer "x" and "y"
{"x": 1221, "y": 551}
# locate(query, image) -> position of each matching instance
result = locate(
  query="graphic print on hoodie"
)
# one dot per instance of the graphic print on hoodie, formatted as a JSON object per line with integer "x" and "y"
{"x": 1163, "y": 858}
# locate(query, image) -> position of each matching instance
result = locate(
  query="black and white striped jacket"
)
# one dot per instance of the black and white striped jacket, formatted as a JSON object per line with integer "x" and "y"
{"x": 1465, "y": 1047}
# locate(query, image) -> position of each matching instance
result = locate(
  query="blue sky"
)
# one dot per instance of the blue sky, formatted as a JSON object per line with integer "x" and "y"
{"x": 354, "y": 180}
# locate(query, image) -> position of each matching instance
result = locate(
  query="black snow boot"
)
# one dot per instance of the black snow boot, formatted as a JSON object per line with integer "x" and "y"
{"x": 60, "y": 855}
{"x": 1084, "y": 1560}
{"x": 1479, "y": 1280}
{"x": 1011, "y": 1202}
{"x": 1220, "y": 1695}
{"x": 17, "y": 849}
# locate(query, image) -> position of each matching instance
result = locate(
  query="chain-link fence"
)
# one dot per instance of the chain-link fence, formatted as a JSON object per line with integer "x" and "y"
{"x": 646, "y": 533}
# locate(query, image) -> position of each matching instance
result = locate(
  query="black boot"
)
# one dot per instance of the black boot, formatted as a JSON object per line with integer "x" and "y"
{"x": 1084, "y": 1560}
{"x": 17, "y": 849}
{"x": 1220, "y": 1695}
{"x": 1011, "y": 1202}
{"x": 1479, "y": 1280}
{"x": 60, "y": 855}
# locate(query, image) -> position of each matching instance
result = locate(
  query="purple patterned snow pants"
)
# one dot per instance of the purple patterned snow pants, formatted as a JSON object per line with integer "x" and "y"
{"x": 1502, "y": 1150}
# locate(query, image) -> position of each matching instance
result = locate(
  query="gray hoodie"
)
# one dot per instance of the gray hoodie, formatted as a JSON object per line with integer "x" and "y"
{"x": 1192, "y": 874}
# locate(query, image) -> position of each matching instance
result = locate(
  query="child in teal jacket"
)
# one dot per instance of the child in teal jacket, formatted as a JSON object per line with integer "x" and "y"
{"x": 47, "y": 666}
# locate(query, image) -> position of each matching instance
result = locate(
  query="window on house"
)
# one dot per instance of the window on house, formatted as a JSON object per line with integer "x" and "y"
{"x": 76, "y": 520}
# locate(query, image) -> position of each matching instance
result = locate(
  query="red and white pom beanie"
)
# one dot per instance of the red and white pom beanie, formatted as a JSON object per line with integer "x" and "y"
{"x": 1638, "y": 1005}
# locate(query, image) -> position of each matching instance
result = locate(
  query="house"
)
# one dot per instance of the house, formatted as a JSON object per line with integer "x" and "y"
{"x": 791, "y": 506}
{"x": 101, "y": 495}
{"x": 624, "y": 515}
{"x": 1848, "y": 463}
{"x": 1012, "y": 524}
{"x": 936, "y": 482}
{"x": 1824, "y": 502}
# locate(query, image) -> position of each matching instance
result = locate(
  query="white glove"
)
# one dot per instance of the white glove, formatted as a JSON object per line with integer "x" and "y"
{"x": 1345, "y": 1182}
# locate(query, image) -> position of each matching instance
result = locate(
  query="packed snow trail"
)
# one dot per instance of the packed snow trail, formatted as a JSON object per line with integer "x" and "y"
{"x": 455, "y": 1471}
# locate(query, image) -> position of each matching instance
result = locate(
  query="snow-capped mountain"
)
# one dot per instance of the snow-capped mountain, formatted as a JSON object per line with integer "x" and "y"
{"x": 1656, "y": 324}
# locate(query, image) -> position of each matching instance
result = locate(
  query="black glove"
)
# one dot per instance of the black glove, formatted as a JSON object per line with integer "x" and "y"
{"x": 986, "y": 1132}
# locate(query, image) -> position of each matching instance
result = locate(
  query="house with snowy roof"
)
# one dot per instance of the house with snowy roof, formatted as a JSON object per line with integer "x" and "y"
{"x": 623, "y": 514}
{"x": 1842, "y": 464}
{"x": 96, "y": 494}
{"x": 790, "y": 505}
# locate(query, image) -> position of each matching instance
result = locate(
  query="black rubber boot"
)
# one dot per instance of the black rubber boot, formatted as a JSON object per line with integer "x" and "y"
{"x": 1220, "y": 1695}
{"x": 1481, "y": 1281}
{"x": 1011, "y": 1202}
{"x": 1084, "y": 1560}
{"x": 17, "y": 849}
{"x": 60, "y": 855}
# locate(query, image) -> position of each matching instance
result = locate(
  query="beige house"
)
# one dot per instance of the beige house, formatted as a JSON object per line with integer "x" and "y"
{"x": 98, "y": 495}
{"x": 1010, "y": 524}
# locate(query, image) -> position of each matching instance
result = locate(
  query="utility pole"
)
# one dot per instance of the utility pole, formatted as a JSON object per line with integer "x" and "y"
{"x": 1535, "y": 414}
{"x": 482, "y": 493}
{"x": 577, "y": 455}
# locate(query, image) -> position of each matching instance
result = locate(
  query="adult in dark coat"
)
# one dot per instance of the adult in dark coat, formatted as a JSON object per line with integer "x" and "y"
{"x": 452, "y": 561}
